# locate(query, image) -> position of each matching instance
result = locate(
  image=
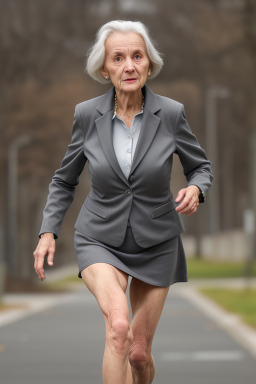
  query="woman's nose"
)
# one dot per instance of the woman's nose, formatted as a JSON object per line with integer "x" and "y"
{"x": 129, "y": 67}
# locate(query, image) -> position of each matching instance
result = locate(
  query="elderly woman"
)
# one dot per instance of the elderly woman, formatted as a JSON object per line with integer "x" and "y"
{"x": 129, "y": 224}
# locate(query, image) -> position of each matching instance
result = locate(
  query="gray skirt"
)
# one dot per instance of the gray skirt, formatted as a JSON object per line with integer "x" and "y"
{"x": 160, "y": 265}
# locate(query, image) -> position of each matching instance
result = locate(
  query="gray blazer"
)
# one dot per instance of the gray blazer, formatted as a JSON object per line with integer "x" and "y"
{"x": 145, "y": 197}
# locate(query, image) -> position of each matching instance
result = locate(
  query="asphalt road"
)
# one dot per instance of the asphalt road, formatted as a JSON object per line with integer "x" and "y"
{"x": 64, "y": 345}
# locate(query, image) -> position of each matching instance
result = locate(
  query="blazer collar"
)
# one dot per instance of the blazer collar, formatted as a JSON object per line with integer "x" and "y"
{"x": 150, "y": 100}
{"x": 107, "y": 102}
{"x": 150, "y": 123}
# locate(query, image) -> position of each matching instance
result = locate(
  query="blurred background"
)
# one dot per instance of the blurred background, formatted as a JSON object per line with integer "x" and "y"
{"x": 209, "y": 51}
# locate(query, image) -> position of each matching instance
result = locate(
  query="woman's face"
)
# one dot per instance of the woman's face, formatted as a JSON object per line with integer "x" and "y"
{"x": 126, "y": 61}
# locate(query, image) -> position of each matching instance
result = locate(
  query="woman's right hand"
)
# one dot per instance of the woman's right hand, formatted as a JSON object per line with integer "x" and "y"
{"x": 45, "y": 246}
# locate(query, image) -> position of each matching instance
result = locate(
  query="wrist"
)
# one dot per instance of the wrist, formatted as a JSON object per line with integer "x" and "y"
{"x": 47, "y": 234}
{"x": 201, "y": 195}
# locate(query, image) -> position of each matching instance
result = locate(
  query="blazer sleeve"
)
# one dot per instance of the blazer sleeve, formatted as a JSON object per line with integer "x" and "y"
{"x": 64, "y": 181}
{"x": 196, "y": 166}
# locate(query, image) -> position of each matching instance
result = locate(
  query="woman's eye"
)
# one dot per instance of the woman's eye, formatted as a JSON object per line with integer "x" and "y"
{"x": 137, "y": 57}
{"x": 118, "y": 58}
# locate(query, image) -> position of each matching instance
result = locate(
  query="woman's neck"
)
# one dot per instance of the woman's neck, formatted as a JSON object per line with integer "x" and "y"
{"x": 129, "y": 103}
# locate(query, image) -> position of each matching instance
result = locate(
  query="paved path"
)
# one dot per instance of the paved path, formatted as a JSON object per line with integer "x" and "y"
{"x": 61, "y": 341}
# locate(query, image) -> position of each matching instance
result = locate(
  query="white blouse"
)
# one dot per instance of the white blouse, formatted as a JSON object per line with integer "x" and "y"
{"x": 125, "y": 141}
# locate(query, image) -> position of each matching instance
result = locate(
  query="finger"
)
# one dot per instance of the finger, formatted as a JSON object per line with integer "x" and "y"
{"x": 185, "y": 211}
{"x": 40, "y": 266}
{"x": 50, "y": 257}
{"x": 191, "y": 211}
{"x": 184, "y": 204}
{"x": 189, "y": 205}
{"x": 180, "y": 195}
{"x": 36, "y": 256}
{"x": 36, "y": 259}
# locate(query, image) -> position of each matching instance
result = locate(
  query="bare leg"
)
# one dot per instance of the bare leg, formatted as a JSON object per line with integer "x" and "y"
{"x": 147, "y": 304}
{"x": 108, "y": 285}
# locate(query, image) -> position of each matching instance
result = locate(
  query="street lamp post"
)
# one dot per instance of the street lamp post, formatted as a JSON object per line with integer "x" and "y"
{"x": 12, "y": 187}
{"x": 2, "y": 264}
{"x": 213, "y": 93}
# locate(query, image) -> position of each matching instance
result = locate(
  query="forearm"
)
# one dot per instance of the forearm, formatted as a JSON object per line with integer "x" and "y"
{"x": 196, "y": 166}
{"x": 64, "y": 181}
{"x": 58, "y": 202}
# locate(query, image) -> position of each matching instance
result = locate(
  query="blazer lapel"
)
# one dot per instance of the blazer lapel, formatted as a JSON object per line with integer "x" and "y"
{"x": 105, "y": 132}
{"x": 150, "y": 123}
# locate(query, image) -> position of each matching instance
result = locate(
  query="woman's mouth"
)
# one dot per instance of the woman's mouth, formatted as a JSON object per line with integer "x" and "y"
{"x": 130, "y": 80}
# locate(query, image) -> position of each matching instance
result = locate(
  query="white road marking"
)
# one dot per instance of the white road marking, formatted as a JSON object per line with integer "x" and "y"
{"x": 203, "y": 356}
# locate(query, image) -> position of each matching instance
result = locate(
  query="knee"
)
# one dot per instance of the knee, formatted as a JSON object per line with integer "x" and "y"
{"x": 119, "y": 335}
{"x": 138, "y": 356}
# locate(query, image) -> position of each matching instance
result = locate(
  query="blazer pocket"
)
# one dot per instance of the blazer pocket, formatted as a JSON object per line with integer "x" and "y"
{"x": 162, "y": 209}
{"x": 89, "y": 204}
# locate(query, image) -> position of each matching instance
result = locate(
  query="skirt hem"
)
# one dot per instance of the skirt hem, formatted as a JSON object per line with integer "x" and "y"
{"x": 136, "y": 276}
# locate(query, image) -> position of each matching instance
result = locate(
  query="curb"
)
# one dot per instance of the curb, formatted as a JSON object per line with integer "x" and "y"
{"x": 231, "y": 323}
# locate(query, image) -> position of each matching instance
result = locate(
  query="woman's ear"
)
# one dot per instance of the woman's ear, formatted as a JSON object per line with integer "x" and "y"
{"x": 149, "y": 69}
{"x": 104, "y": 73}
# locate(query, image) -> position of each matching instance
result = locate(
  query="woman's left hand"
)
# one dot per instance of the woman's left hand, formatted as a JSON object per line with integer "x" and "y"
{"x": 189, "y": 198}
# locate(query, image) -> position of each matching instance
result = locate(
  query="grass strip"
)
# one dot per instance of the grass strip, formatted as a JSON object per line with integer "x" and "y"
{"x": 203, "y": 268}
{"x": 239, "y": 301}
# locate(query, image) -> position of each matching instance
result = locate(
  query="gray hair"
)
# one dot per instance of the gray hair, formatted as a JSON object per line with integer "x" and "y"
{"x": 96, "y": 54}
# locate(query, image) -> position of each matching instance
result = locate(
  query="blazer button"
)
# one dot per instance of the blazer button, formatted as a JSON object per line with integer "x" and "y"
{"x": 128, "y": 192}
